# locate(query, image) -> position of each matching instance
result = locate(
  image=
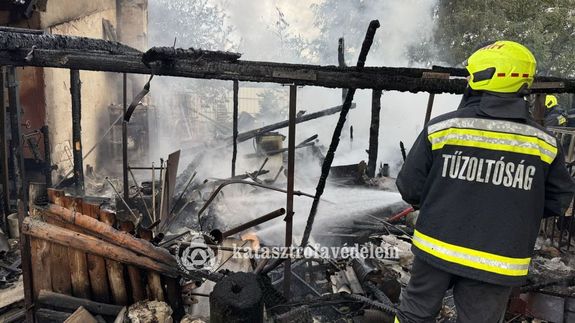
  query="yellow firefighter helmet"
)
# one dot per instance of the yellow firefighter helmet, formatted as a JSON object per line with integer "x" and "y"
{"x": 502, "y": 67}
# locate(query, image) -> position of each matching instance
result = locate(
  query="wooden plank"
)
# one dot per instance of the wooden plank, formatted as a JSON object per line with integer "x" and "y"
{"x": 71, "y": 303}
{"x": 136, "y": 283}
{"x": 79, "y": 265}
{"x": 103, "y": 230}
{"x": 59, "y": 256}
{"x": 81, "y": 315}
{"x": 156, "y": 291}
{"x": 114, "y": 269}
{"x": 91, "y": 245}
{"x": 50, "y": 316}
{"x": 39, "y": 256}
{"x": 41, "y": 265}
{"x": 97, "y": 266}
{"x": 174, "y": 296}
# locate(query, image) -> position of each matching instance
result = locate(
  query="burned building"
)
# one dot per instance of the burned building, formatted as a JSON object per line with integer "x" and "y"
{"x": 177, "y": 243}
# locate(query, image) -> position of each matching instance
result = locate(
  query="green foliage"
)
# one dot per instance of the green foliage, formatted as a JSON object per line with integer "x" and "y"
{"x": 271, "y": 108}
{"x": 197, "y": 24}
{"x": 336, "y": 19}
{"x": 547, "y": 27}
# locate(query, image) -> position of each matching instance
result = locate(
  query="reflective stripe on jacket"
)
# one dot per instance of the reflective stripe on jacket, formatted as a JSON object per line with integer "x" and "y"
{"x": 483, "y": 176}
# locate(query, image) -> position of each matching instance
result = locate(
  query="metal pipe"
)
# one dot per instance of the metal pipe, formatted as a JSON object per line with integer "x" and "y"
{"x": 220, "y": 236}
{"x": 139, "y": 192}
{"x": 122, "y": 199}
{"x": 429, "y": 107}
{"x": 169, "y": 219}
{"x": 162, "y": 187}
{"x": 235, "y": 127}
{"x": 125, "y": 138}
{"x": 261, "y": 167}
{"x": 290, "y": 186}
{"x": 226, "y": 183}
{"x": 76, "y": 93}
{"x": 183, "y": 192}
{"x": 143, "y": 168}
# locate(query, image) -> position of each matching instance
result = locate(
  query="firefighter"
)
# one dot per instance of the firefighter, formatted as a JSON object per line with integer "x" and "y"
{"x": 554, "y": 115}
{"x": 483, "y": 177}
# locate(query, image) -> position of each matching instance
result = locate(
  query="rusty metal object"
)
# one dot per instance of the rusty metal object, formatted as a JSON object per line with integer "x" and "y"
{"x": 220, "y": 236}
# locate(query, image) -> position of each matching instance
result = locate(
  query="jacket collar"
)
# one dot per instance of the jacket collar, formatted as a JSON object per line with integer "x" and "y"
{"x": 493, "y": 106}
{"x": 504, "y": 107}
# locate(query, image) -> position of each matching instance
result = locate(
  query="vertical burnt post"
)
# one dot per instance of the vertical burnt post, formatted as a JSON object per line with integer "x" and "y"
{"x": 4, "y": 154}
{"x": 75, "y": 90}
{"x": 539, "y": 109}
{"x": 341, "y": 62}
{"x": 125, "y": 138}
{"x": 16, "y": 136}
{"x": 429, "y": 108}
{"x": 290, "y": 185}
{"x": 21, "y": 186}
{"x": 235, "y": 127}
{"x": 374, "y": 132}
{"x": 47, "y": 159}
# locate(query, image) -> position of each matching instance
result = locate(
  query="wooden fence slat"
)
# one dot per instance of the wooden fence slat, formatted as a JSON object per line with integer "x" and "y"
{"x": 97, "y": 266}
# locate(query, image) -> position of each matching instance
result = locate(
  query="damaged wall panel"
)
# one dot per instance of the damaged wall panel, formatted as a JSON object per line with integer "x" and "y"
{"x": 99, "y": 90}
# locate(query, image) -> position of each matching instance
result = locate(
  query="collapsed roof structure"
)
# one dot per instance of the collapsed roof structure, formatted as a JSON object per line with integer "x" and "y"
{"x": 90, "y": 229}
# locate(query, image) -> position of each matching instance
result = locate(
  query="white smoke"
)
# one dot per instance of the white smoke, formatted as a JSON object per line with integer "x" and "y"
{"x": 259, "y": 36}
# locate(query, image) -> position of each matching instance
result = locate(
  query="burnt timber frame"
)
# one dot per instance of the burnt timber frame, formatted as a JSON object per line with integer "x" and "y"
{"x": 41, "y": 50}
{"x": 33, "y": 48}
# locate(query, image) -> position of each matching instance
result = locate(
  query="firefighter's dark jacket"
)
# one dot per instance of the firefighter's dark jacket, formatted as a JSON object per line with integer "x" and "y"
{"x": 555, "y": 117}
{"x": 483, "y": 176}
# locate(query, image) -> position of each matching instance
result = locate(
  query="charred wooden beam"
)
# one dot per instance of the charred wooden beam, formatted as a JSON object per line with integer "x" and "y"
{"x": 374, "y": 132}
{"x": 75, "y": 91}
{"x": 47, "y": 158}
{"x": 382, "y": 78}
{"x": 100, "y": 55}
{"x": 112, "y": 235}
{"x": 92, "y": 245}
{"x": 235, "y": 127}
{"x": 21, "y": 185}
{"x": 282, "y": 124}
{"x": 71, "y": 303}
{"x": 10, "y": 40}
{"x": 169, "y": 54}
{"x": 326, "y": 165}
{"x": 4, "y": 159}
